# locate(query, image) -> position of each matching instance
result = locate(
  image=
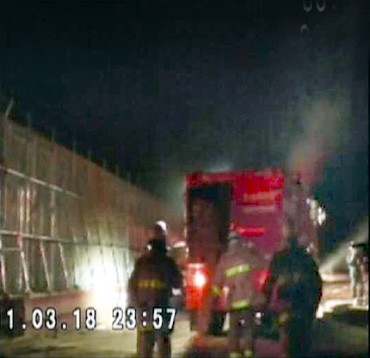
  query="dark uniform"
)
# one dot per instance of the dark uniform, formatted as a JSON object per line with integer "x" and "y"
{"x": 236, "y": 272}
{"x": 150, "y": 286}
{"x": 293, "y": 293}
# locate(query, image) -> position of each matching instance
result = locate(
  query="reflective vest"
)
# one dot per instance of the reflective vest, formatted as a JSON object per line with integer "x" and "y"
{"x": 152, "y": 281}
{"x": 236, "y": 271}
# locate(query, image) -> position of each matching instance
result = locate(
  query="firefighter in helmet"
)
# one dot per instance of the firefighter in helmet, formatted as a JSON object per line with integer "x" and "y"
{"x": 154, "y": 277}
{"x": 235, "y": 272}
{"x": 293, "y": 291}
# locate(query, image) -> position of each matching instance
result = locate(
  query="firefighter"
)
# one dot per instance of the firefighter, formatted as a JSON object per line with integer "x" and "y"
{"x": 150, "y": 286}
{"x": 355, "y": 266}
{"x": 293, "y": 292}
{"x": 235, "y": 273}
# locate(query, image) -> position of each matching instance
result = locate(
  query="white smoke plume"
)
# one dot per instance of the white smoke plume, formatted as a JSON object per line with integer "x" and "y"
{"x": 323, "y": 131}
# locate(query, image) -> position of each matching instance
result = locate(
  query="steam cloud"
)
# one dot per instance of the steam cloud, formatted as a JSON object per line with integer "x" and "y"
{"x": 323, "y": 121}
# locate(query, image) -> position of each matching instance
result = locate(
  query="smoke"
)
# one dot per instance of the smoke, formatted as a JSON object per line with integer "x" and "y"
{"x": 323, "y": 129}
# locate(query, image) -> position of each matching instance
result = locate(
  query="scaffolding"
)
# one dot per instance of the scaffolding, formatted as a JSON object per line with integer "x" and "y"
{"x": 65, "y": 221}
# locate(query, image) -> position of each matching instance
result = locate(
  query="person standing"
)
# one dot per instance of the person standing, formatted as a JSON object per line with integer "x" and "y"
{"x": 293, "y": 291}
{"x": 354, "y": 261}
{"x": 236, "y": 272}
{"x": 151, "y": 284}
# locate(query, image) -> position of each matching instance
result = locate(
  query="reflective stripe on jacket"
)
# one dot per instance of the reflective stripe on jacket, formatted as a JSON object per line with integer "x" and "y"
{"x": 152, "y": 281}
{"x": 151, "y": 284}
{"x": 235, "y": 271}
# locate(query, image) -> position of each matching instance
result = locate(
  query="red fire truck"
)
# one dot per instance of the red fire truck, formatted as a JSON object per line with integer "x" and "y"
{"x": 250, "y": 202}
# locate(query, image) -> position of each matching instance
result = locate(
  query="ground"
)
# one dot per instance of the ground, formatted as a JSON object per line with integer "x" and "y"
{"x": 341, "y": 331}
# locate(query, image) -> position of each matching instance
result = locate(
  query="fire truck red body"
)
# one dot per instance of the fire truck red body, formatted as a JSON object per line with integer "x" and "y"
{"x": 250, "y": 202}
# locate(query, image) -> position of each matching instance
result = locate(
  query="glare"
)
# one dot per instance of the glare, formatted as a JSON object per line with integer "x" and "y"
{"x": 321, "y": 217}
{"x": 320, "y": 312}
{"x": 179, "y": 244}
{"x": 176, "y": 291}
{"x": 258, "y": 318}
{"x": 105, "y": 295}
{"x": 199, "y": 279}
{"x": 317, "y": 212}
{"x": 97, "y": 273}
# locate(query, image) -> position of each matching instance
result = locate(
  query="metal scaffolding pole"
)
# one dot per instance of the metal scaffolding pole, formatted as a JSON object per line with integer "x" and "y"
{"x": 3, "y": 118}
{"x": 112, "y": 235}
{"x": 41, "y": 242}
{"x": 53, "y": 210}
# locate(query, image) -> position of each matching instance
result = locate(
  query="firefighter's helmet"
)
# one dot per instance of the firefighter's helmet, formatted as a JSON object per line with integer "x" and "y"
{"x": 161, "y": 227}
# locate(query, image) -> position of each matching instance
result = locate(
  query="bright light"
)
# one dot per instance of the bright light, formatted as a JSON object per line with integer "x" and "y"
{"x": 320, "y": 312}
{"x": 321, "y": 217}
{"x": 176, "y": 291}
{"x": 199, "y": 279}
{"x": 317, "y": 213}
{"x": 162, "y": 224}
{"x": 105, "y": 295}
{"x": 179, "y": 244}
{"x": 96, "y": 273}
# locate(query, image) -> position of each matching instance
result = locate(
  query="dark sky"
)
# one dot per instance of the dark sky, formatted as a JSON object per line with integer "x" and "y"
{"x": 164, "y": 87}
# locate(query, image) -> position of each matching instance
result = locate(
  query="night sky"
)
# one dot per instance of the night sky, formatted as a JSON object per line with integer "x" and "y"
{"x": 165, "y": 87}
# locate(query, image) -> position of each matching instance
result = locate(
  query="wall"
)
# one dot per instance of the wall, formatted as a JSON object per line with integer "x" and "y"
{"x": 67, "y": 223}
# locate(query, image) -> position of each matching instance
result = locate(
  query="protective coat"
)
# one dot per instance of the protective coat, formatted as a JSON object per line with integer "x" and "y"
{"x": 237, "y": 271}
